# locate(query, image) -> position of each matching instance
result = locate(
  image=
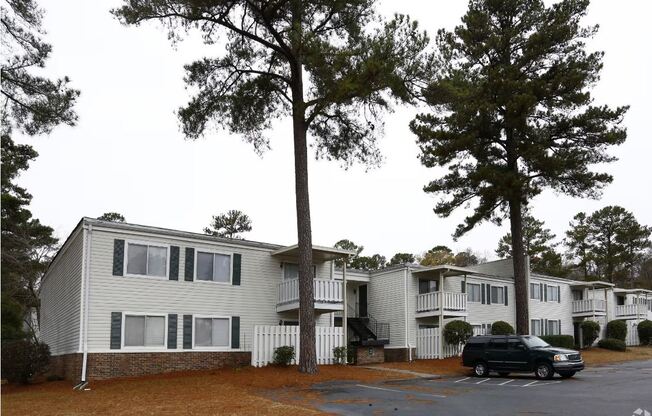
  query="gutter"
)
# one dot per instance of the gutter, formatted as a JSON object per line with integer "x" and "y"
{"x": 88, "y": 234}
{"x": 407, "y": 322}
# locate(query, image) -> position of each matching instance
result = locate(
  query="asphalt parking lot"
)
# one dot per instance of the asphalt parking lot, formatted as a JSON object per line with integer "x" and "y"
{"x": 621, "y": 389}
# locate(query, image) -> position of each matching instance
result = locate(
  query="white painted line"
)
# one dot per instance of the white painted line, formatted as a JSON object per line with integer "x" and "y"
{"x": 508, "y": 381}
{"x": 543, "y": 383}
{"x": 464, "y": 379}
{"x": 529, "y": 384}
{"x": 482, "y": 381}
{"x": 400, "y": 391}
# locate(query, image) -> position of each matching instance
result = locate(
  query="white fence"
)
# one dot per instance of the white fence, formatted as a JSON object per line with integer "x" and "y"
{"x": 632, "y": 334}
{"x": 268, "y": 338}
{"x": 589, "y": 305}
{"x": 428, "y": 340}
{"x": 324, "y": 291}
{"x": 452, "y": 301}
{"x": 631, "y": 309}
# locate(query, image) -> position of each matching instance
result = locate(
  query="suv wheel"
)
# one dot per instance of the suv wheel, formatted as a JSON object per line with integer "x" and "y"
{"x": 544, "y": 371}
{"x": 480, "y": 369}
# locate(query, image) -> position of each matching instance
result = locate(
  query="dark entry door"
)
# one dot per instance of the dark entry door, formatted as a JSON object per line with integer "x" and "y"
{"x": 362, "y": 300}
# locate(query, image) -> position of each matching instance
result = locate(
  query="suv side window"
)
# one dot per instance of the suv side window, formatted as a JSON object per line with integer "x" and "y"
{"x": 516, "y": 344}
{"x": 498, "y": 344}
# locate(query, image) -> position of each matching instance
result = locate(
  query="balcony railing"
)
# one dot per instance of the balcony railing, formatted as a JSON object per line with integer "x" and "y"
{"x": 631, "y": 309}
{"x": 589, "y": 306}
{"x": 450, "y": 301}
{"x": 325, "y": 291}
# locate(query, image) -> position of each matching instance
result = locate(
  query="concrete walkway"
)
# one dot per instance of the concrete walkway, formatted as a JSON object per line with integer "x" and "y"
{"x": 401, "y": 371}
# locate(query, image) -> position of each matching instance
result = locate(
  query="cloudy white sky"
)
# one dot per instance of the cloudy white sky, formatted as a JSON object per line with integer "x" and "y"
{"x": 127, "y": 153}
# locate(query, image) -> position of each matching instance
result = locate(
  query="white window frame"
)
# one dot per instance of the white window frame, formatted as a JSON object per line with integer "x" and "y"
{"x": 532, "y": 331}
{"x": 468, "y": 298}
{"x": 212, "y": 348}
{"x": 143, "y": 347}
{"x": 502, "y": 290}
{"x": 538, "y": 286}
{"x": 556, "y": 292}
{"x": 207, "y": 251}
{"x": 148, "y": 244}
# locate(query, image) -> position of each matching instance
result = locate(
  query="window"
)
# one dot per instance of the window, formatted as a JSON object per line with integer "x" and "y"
{"x": 212, "y": 332}
{"x": 552, "y": 293}
{"x": 497, "y": 295}
{"x": 535, "y": 291}
{"x": 474, "y": 294}
{"x": 144, "y": 331}
{"x": 146, "y": 260}
{"x": 578, "y": 295}
{"x": 553, "y": 328}
{"x": 213, "y": 267}
{"x": 427, "y": 286}
{"x": 498, "y": 344}
{"x": 535, "y": 327}
{"x": 291, "y": 271}
{"x": 516, "y": 344}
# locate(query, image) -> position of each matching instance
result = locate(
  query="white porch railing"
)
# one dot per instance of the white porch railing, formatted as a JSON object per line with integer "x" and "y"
{"x": 451, "y": 301}
{"x": 589, "y": 305}
{"x": 632, "y": 309}
{"x": 428, "y": 341}
{"x": 326, "y": 291}
{"x": 268, "y": 338}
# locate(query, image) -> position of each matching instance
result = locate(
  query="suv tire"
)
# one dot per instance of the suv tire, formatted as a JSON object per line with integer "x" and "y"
{"x": 480, "y": 369}
{"x": 544, "y": 371}
{"x": 566, "y": 374}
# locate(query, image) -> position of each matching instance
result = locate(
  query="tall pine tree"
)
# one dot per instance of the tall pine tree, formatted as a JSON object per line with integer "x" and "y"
{"x": 513, "y": 115}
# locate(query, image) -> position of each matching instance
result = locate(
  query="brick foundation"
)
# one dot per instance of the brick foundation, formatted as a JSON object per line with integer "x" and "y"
{"x": 102, "y": 366}
{"x": 399, "y": 354}
{"x": 369, "y": 355}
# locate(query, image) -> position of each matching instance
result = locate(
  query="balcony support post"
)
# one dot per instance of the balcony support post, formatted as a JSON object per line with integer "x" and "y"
{"x": 441, "y": 314}
{"x": 345, "y": 327}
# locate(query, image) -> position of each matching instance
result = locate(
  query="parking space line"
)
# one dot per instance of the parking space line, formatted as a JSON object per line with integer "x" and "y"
{"x": 543, "y": 383}
{"x": 400, "y": 391}
{"x": 530, "y": 383}
{"x": 464, "y": 379}
{"x": 508, "y": 381}
{"x": 482, "y": 381}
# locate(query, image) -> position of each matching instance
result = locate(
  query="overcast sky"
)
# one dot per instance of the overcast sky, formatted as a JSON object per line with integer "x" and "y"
{"x": 128, "y": 155}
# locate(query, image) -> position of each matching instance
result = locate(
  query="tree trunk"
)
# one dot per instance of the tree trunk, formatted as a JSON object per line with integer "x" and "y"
{"x": 518, "y": 258}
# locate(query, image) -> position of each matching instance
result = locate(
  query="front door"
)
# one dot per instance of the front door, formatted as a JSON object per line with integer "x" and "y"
{"x": 362, "y": 300}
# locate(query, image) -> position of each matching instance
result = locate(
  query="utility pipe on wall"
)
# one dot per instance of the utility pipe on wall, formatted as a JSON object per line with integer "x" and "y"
{"x": 88, "y": 234}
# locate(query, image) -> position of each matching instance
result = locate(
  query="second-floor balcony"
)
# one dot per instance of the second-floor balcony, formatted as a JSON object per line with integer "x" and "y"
{"x": 589, "y": 307}
{"x": 632, "y": 310}
{"x": 327, "y": 295}
{"x": 446, "y": 303}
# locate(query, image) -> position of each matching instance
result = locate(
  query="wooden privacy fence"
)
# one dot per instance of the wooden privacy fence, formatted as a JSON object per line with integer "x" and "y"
{"x": 428, "y": 340}
{"x": 267, "y": 338}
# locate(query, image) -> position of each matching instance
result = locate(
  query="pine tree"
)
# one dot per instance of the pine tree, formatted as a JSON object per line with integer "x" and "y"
{"x": 229, "y": 225}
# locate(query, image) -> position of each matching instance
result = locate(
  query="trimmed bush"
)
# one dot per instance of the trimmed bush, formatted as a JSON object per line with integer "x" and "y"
{"x": 645, "y": 332}
{"x": 457, "y": 332}
{"x": 340, "y": 355}
{"x": 617, "y": 330}
{"x": 23, "y": 359}
{"x": 561, "y": 341}
{"x": 612, "y": 344}
{"x": 283, "y": 356}
{"x": 590, "y": 332}
{"x": 501, "y": 328}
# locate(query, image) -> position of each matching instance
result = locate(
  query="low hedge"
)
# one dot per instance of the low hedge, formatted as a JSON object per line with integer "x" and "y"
{"x": 612, "y": 344}
{"x": 501, "y": 328}
{"x": 617, "y": 330}
{"x": 645, "y": 332}
{"x": 457, "y": 332}
{"x": 590, "y": 332}
{"x": 284, "y": 355}
{"x": 562, "y": 341}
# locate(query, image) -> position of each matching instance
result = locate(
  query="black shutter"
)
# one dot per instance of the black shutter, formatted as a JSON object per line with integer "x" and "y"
{"x": 116, "y": 330}
{"x": 190, "y": 264}
{"x": 559, "y": 325}
{"x": 545, "y": 293}
{"x": 187, "y": 332}
{"x": 172, "y": 331}
{"x": 237, "y": 263}
{"x": 488, "y": 287}
{"x": 235, "y": 332}
{"x": 118, "y": 257}
{"x": 174, "y": 263}
{"x": 558, "y": 294}
{"x": 541, "y": 292}
{"x": 463, "y": 286}
{"x": 505, "y": 294}
{"x": 484, "y": 294}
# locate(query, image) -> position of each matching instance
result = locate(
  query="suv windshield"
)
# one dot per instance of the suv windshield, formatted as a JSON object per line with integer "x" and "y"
{"x": 535, "y": 342}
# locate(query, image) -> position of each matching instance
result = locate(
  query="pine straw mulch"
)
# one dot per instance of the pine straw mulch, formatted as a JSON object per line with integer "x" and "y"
{"x": 599, "y": 356}
{"x": 242, "y": 391}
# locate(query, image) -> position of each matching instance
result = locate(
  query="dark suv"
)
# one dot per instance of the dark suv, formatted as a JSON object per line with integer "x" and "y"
{"x": 519, "y": 353}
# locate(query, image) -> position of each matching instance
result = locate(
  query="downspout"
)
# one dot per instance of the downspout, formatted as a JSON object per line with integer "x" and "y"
{"x": 87, "y": 292}
{"x": 332, "y": 278}
{"x": 407, "y": 322}
{"x": 345, "y": 326}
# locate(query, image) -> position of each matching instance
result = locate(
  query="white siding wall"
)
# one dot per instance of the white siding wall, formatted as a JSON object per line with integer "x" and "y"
{"x": 479, "y": 313}
{"x": 254, "y": 301}
{"x": 61, "y": 299}
{"x": 550, "y": 310}
{"x": 386, "y": 295}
